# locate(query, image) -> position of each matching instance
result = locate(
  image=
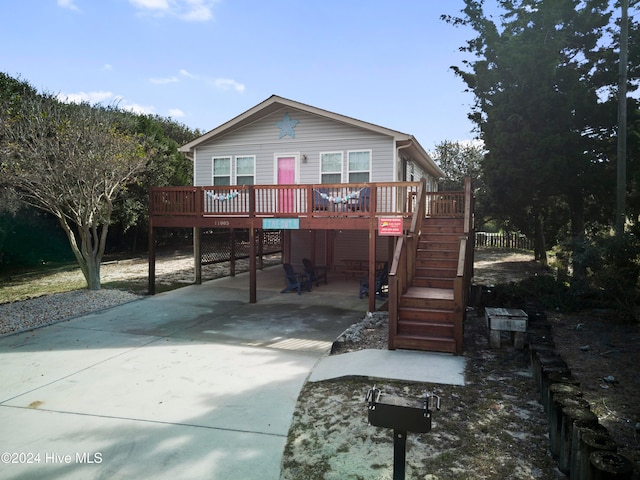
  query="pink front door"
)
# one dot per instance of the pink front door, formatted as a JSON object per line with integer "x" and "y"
{"x": 286, "y": 176}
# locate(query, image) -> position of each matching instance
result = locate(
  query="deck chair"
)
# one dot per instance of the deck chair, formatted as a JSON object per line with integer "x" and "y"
{"x": 316, "y": 273}
{"x": 382, "y": 284}
{"x": 295, "y": 281}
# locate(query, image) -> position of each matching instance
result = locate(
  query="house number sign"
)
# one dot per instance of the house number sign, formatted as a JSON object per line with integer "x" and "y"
{"x": 280, "y": 223}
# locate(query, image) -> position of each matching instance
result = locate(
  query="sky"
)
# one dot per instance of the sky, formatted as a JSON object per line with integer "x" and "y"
{"x": 203, "y": 62}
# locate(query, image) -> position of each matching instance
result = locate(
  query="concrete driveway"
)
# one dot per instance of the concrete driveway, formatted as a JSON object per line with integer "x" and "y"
{"x": 193, "y": 383}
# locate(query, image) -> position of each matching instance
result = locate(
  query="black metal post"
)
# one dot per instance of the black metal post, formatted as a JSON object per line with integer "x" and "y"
{"x": 399, "y": 454}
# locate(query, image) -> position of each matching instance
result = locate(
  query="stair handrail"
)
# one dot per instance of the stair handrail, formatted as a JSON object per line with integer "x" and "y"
{"x": 464, "y": 273}
{"x": 403, "y": 266}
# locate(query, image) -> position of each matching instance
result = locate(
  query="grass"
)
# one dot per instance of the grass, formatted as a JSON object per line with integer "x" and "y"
{"x": 21, "y": 284}
{"x": 49, "y": 280}
{"x": 46, "y": 281}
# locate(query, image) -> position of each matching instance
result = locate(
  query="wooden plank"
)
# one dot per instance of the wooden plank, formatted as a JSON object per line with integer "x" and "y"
{"x": 504, "y": 312}
{"x": 494, "y": 339}
{"x": 508, "y": 324}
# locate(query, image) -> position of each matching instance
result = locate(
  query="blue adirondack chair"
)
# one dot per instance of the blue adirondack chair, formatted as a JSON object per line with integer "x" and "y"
{"x": 316, "y": 273}
{"x": 295, "y": 281}
{"x": 382, "y": 284}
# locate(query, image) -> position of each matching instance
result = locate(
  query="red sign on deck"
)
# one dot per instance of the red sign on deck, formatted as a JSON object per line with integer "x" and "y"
{"x": 390, "y": 226}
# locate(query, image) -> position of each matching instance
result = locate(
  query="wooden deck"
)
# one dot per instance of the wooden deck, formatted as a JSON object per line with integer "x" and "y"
{"x": 321, "y": 206}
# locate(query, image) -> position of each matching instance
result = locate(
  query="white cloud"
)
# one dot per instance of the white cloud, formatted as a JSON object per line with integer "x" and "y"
{"x": 107, "y": 66}
{"x": 220, "y": 83}
{"x": 89, "y": 97}
{"x": 70, "y": 4}
{"x": 176, "y": 113}
{"x": 228, "y": 84}
{"x": 186, "y": 74}
{"x": 151, "y": 4}
{"x": 197, "y": 11}
{"x": 187, "y": 10}
{"x": 93, "y": 98}
{"x": 164, "y": 81}
{"x": 137, "y": 108}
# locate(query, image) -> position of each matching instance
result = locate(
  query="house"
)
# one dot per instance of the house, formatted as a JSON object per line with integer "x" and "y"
{"x": 281, "y": 142}
{"x": 330, "y": 183}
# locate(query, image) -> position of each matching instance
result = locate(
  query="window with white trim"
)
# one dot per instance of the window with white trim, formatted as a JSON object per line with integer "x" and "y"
{"x": 331, "y": 167}
{"x": 359, "y": 166}
{"x": 245, "y": 170}
{"x": 221, "y": 170}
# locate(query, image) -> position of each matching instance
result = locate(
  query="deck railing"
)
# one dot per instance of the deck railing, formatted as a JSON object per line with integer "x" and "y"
{"x": 317, "y": 200}
{"x": 402, "y": 272}
{"x": 448, "y": 204}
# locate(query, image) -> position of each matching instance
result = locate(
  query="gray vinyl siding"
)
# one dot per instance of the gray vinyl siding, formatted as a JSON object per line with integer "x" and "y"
{"x": 414, "y": 172}
{"x": 313, "y": 135}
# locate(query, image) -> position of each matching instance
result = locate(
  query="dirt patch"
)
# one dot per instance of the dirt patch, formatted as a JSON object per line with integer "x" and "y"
{"x": 603, "y": 355}
{"x": 494, "y": 427}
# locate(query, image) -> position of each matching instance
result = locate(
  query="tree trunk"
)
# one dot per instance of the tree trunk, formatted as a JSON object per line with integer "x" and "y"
{"x": 576, "y": 206}
{"x": 88, "y": 251}
{"x": 93, "y": 273}
{"x": 539, "y": 244}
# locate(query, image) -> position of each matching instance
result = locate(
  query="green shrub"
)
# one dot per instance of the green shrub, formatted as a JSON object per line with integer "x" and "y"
{"x": 610, "y": 278}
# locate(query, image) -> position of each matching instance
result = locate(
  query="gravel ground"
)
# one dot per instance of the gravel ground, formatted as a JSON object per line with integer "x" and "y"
{"x": 172, "y": 268}
{"x": 38, "y": 312}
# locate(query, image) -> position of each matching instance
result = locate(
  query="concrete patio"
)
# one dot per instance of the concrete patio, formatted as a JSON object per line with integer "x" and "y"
{"x": 192, "y": 383}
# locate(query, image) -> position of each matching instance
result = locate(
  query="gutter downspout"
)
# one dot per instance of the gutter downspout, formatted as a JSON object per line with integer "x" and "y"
{"x": 398, "y": 155}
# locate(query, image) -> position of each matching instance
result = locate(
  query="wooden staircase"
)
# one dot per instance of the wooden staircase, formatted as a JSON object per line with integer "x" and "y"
{"x": 427, "y": 313}
{"x": 431, "y": 272}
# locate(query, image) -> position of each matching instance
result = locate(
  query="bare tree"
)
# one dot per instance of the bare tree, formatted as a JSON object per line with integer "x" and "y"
{"x": 71, "y": 160}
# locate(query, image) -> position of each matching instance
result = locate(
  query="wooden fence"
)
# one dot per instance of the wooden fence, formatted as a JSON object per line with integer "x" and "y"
{"x": 510, "y": 240}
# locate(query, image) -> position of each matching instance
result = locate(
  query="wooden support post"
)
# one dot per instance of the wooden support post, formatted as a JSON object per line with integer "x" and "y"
{"x": 312, "y": 245}
{"x": 591, "y": 441}
{"x": 566, "y": 389}
{"x": 556, "y": 383}
{"x": 558, "y": 405}
{"x": 610, "y": 465}
{"x": 372, "y": 268}
{"x": 197, "y": 254}
{"x": 535, "y": 351}
{"x": 571, "y": 416}
{"x": 252, "y": 266}
{"x": 372, "y": 249}
{"x": 152, "y": 260}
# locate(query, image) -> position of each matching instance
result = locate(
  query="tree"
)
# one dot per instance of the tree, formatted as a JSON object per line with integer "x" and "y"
{"x": 167, "y": 167}
{"x": 536, "y": 82}
{"x": 71, "y": 160}
{"x": 458, "y": 161}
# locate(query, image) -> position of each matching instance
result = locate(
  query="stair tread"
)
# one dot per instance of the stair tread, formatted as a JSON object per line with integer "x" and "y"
{"x": 429, "y": 293}
{"x": 425, "y": 337}
{"x": 404, "y": 324}
{"x": 427, "y": 309}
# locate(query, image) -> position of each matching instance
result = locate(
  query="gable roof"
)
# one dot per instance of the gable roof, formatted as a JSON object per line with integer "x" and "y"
{"x": 275, "y": 103}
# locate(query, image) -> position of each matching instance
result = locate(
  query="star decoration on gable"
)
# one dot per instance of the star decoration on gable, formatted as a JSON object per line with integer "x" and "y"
{"x": 286, "y": 126}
